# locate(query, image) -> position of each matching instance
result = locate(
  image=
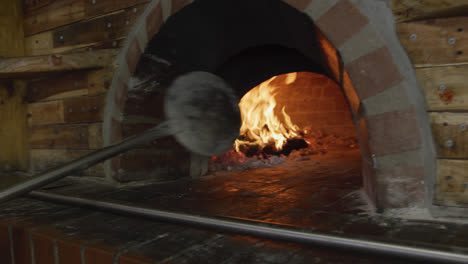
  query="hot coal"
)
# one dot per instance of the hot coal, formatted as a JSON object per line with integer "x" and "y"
{"x": 269, "y": 150}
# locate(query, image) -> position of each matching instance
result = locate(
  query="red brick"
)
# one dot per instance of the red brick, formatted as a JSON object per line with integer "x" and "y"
{"x": 311, "y": 90}
{"x": 154, "y": 20}
{"x": 364, "y": 142}
{"x": 177, "y": 5}
{"x": 345, "y": 131}
{"x": 341, "y": 104}
{"x": 21, "y": 242}
{"x": 310, "y": 105}
{"x": 130, "y": 129}
{"x": 5, "y": 245}
{"x": 298, "y": 4}
{"x": 133, "y": 54}
{"x": 100, "y": 254}
{"x": 390, "y": 192}
{"x": 336, "y": 118}
{"x": 69, "y": 250}
{"x": 330, "y": 55}
{"x": 374, "y": 72}
{"x": 151, "y": 105}
{"x": 315, "y": 118}
{"x": 136, "y": 128}
{"x": 332, "y": 90}
{"x": 314, "y": 105}
{"x": 43, "y": 241}
{"x": 394, "y": 132}
{"x": 341, "y": 22}
{"x": 369, "y": 184}
{"x": 350, "y": 93}
{"x": 326, "y": 105}
{"x": 135, "y": 259}
{"x": 148, "y": 160}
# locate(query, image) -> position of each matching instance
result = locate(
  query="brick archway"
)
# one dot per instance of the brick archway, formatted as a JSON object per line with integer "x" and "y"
{"x": 364, "y": 55}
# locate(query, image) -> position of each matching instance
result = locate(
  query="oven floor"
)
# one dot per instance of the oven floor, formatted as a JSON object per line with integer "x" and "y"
{"x": 320, "y": 192}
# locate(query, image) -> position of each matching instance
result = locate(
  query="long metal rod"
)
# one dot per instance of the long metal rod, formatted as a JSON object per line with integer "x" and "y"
{"x": 84, "y": 162}
{"x": 269, "y": 231}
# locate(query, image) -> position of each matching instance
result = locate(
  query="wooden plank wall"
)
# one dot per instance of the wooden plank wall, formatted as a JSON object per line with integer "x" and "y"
{"x": 65, "y": 114}
{"x": 11, "y": 28}
{"x": 73, "y": 25}
{"x": 65, "y": 111}
{"x": 13, "y": 127}
{"x": 438, "y": 48}
{"x": 13, "y": 137}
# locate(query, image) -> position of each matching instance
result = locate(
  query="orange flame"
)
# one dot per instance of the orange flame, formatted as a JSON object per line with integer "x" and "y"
{"x": 260, "y": 125}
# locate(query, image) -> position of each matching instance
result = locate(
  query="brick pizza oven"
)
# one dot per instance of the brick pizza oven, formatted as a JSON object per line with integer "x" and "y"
{"x": 247, "y": 42}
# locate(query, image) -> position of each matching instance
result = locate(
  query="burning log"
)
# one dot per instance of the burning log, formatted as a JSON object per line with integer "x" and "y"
{"x": 270, "y": 149}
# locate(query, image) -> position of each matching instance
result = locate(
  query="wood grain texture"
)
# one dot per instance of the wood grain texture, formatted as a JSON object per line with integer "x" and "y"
{"x": 433, "y": 42}
{"x": 445, "y": 88}
{"x": 46, "y": 113}
{"x": 43, "y": 159}
{"x": 13, "y": 126}
{"x": 452, "y": 183}
{"x": 450, "y": 131}
{"x": 33, "y": 48}
{"x": 30, "y": 5}
{"x": 85, "y": 136}
{"x": 55, "y": 14}
{"x": 100, "y": 7}
{"x": 100, "y": 80}
{"x": 39, "y": 44}
{"x": 11, "y": 29}
{"x": 37, "y": 66}
{"x": 405, "y": 10}
{"x": 109, "y": 27}
{"x": 58, "y": 87}
{"x": 70, "y": 84}
{"x": 84, "y": 109}
{"x": 59, "y": 13}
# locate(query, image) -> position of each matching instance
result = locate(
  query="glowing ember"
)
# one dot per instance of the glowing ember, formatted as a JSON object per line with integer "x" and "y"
{"x": 260, "y": 125}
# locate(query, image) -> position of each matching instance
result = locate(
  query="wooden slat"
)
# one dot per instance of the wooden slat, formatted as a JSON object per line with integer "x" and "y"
{"x": 405, "y": 10}
{"x": 37, "y": 66}
{"x": 84, "y": 109}
{"x": 445, "y": 88}
{"x": 108, "y": 27}
{"x": 100, "y": 80}
{"x": 64, "y": 12}
{"x": 452, "y": 127}
{"x": 58, "y": 87}
{"x": 86, "y": 136}
{"x": 39, "y": 44}
{"x": 43, "y": 159}
{"x": 452, "y": 183}
{"x": 68, "y": 85}
{"x": 100, "y": 7}
{"x": 13, "y": 126}
{"x": 46, "y": 113}
{"x": 11, "y": 29}
{"x": 42, "y": 44}
{"x": 436, "y": 42}
{"x": 30, "y": 5}
{"x": 57, "y": 13}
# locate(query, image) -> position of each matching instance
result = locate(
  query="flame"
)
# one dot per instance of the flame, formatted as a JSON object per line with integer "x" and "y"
{"x": 260, "y": 125}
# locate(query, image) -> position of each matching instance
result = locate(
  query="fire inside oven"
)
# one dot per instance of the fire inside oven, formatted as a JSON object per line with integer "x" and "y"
{"x": 290, "y": 118}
